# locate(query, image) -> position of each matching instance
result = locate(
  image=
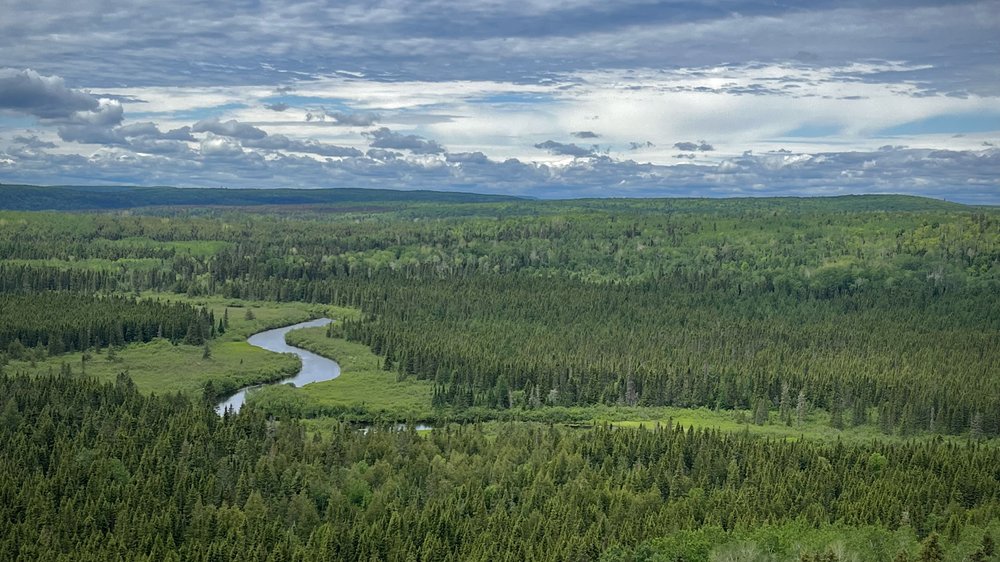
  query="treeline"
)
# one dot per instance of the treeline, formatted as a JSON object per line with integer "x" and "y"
{"x": 101, "y": 472}
{"x": 62, "y": 321}
{"x": 806, "y": 249}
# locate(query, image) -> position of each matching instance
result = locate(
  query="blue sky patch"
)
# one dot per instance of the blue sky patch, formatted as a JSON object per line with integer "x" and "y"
{"x": 811, "y": 131}
{"x": 942, "y": 124}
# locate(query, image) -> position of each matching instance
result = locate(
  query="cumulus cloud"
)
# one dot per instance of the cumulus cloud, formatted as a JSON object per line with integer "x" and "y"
{"x": 220, "y": 146}
{"x": 385, "y": 138}
{"x": 565, "y": 149}
{"x": 151, "y": 131}
{"x": 230, "y": 128}
{"x": 381, "y": 154}
{"x": 282, "y": 142}
{"x": 700, "y": 146}
{"x": 640, "y": 145}
{"x": 969, "y": 176}
{"x": 280, "y": 106}
{"x": 585, "y": 134}
{"x": 353, "y": 119}
{"x": 45, "y": 97}
{"x": 149, "y": 145}
{"x": 80, "y": 116}
{"x": 33, "y": 142}
{"x": 467, "y": 158}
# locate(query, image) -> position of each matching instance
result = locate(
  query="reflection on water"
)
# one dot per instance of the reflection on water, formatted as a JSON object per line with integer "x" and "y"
{"x": 314, "y": 367}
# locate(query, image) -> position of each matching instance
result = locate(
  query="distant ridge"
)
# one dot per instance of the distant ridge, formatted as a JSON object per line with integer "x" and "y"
{"x": 83, "y": 198}
{"x": 16, "y": 197}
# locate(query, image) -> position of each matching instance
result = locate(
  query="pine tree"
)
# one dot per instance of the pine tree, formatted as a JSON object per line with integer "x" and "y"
{"x": 976, "y": 427}
{"x": 761, "y": 411}
{"x": 931, "y": 550}
{"x": 785, "y": 404}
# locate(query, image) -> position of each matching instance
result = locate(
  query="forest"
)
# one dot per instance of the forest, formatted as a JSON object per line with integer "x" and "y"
{"x": 668, "y": 379}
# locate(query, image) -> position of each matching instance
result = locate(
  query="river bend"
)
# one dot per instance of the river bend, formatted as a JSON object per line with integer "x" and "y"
{"x": 315, "y": 368}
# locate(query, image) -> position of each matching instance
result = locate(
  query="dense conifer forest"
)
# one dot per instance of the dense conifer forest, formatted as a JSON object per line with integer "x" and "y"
{"x": 99, "y": 472}
{"x": 876, "y": 316}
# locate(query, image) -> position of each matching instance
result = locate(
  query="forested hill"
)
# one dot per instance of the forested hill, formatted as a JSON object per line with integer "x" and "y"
{"x": 69, "y": 198}
{"x": 93, "y": 198}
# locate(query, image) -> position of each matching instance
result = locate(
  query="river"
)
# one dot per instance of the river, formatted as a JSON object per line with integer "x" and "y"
{"x": 315, "y": 368}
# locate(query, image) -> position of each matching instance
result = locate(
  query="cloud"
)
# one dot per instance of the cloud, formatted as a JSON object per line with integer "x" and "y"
{"x": 585, "y": 134}
{"x": 700, "y": 146}
{"x": 45, "y": 97}
{"x": 151, "y": 131}
{"x": 969, "y": 176}
{"x": 385, "y": 138}
{"x": 640, "y": 145}
{"x": 565, "y": 149}
{"x": 354, "y": 119}
{"x": 220, "y": 146}
{"x": 467, "y": 158}
{"x": 90, "y": 134}
{"x": 281, "y": 142}
{"x": 280, "y": 106}
{"x": 149, "y": 145}
{"x": 33, "y": 142}
{"x": 230, "y": 128}
{"x": 380, "y": 154}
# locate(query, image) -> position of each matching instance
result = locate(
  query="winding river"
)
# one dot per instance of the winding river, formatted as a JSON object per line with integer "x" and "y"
{"x": 314, "y": 367}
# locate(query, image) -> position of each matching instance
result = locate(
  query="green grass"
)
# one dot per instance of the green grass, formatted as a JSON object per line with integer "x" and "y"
{"x": 158, "y": 366}
{"x": 816, "y": 426}
{"x": 362, "y": 391}
{"x": 95, "y": 264}
{"x": 266, "y": 315}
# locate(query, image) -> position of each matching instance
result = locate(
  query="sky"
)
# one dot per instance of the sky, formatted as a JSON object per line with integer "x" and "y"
{"x": 575, "y": 98}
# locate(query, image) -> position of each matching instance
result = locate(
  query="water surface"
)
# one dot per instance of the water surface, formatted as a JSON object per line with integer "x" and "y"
{"x": 314, "y": 367}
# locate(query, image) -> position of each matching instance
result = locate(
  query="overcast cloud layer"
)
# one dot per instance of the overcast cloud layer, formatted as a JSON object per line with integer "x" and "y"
{"x": 551, "y": 99}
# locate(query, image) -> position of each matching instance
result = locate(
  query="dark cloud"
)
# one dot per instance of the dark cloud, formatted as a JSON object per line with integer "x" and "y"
{"x": 467, "y": 158}
{"x": 640, "y": 145}
{"x": 354, "y": 119}
{"x": 585, "y": 134}
{"x": 700, "y": 146}
{"x": 33, "y": 142}
{"x": 280, "y": 106}
{"x": 381, "y": 154}
{"x": 686, "y": 156}
{"x": 149, "y": 145}
{"x": 565, "y": 149}
{"x": 231, "y": 128}
{"x": 281, "y": 142}
{"x": 95, "y": 126}
{"x": 45, "y": 97}
{"x": 151, "y": 131}
{"x": 968, "y": 176}
{"x": 409, "y": 40}
{"x": 385, "y": 138}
